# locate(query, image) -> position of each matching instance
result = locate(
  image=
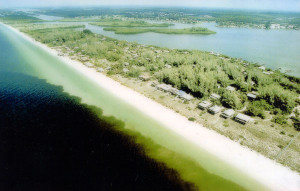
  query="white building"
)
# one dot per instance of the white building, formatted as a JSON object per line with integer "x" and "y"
{"x": 231, "y": 88}
{"x": 203, "y": 105}
{"x": 262, "y": 68}
{"x": 242, "y": 118}
{"x": 215, "y": 96}
{"x": 184, "y": 95}
{"x": 214, "y": 109}
{"x": 251, "y": 96}
{"x": 228, "y": 113}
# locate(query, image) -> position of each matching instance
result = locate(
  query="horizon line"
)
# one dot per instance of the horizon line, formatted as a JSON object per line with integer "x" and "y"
{"x": 149, "y": 6}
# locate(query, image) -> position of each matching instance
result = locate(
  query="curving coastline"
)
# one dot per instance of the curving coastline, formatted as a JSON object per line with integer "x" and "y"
{"x": 270, "y": 173}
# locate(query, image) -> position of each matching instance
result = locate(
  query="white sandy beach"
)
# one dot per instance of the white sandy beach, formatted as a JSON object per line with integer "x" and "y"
{"x": 274, "y": 175}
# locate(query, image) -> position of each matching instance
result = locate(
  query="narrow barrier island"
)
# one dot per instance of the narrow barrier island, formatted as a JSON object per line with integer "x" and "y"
{"x": 193, "y": 30}
{"x": 269, "y": 97}
{"x": 122, "y": 23}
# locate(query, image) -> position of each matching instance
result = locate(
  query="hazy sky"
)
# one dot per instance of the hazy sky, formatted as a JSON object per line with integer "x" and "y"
{"x": 287, "y": 5}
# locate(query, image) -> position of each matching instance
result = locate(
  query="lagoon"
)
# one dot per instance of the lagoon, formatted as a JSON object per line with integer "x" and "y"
{"x": 273, "y": 48}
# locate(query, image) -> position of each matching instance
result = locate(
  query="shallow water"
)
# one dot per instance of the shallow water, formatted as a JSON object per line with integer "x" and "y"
{"x": 211, "y": 172}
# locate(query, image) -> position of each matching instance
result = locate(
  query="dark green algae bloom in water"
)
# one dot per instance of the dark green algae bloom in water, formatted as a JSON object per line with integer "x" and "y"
{"x": 50, "y": 141}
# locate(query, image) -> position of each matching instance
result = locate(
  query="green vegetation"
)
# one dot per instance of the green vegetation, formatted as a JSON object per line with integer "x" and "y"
{"x": 133, "y": 27}
{"x": 15, "y": 18}
{"x": 202, "y": 76}
{"x": 42, "y": 28}
{"x": 48, "y": 35}
{"x": 257, "y": 108}
{"x": 231, "y": 100}
{"x": 268, "y": 25}
{"x": 127, "y": 23}
{"x": 86, "y": 31}
{"x": 225, "y": 124}
{"x": 193, "y": 30}
{"x": 280, "y": 119}
{"x": 296, "y": 120}
{"x": 297, "y": 125}
{"x": 192, "y": 119}
{"x": 225, "y": 17}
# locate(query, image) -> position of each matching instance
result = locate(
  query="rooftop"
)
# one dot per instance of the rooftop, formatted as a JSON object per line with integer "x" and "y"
{"x": 184, "y": 95}
{"x": 204, "y": 104}
{"x": 251, "y": 95}
{"x": 215, "y": 96}
{"x": 228, "y": 113}
{"x": 214, "y": 109}
{"x": 230, "y": 88}
{"x": 167, "y": 88}
{"x": 243, "y": 118}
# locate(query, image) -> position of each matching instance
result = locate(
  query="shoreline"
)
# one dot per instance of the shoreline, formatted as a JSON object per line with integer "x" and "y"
{"x": 264, "y": 170}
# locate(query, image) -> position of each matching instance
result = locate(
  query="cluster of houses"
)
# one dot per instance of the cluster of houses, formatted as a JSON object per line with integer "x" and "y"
{"x": 181, "y": 94}
{"x": 134, "y": 54}
{"x": 278, "y": 26}
{"x": 66, "y": 51}
{"x": 229, "y": 113}
{"x": 205, "y": 105}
